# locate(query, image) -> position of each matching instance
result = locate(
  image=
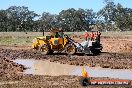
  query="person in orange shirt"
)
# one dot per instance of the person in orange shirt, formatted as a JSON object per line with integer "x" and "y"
{"x": 86, "y": 35}
{"x": 92, "y": 36}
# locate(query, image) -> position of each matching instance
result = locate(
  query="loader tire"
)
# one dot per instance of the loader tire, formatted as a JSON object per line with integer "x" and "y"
{"x": 96, "y": 52}
{"x": 44, "y": 49}
{"x": 51, "y": 52}
{"x": 71, "y": 49}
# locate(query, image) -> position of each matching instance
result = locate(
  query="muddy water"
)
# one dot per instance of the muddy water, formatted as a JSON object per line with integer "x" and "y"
{"x": 41, "y": 67}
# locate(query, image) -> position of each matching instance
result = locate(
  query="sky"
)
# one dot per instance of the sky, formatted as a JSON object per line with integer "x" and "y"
{"x": 56, "y": 6}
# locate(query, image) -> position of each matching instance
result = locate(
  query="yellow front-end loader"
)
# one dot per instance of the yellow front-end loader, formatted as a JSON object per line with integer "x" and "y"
{"x": 55, "y": 41}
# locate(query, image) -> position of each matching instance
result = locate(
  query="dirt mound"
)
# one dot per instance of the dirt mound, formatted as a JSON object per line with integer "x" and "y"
{"x": 9, "y": 69}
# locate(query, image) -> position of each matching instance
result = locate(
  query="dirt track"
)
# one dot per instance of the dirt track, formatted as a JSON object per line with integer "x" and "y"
{"x": 116, "y": 54}
{"x": 117, "y": 44}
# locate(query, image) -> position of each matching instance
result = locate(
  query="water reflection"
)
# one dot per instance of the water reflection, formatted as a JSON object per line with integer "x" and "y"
{"x": 40, "y": 67}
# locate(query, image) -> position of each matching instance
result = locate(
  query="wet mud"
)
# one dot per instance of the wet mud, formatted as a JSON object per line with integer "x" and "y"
{"x": 115, "y": 55}
{"x": 105, "y": 59}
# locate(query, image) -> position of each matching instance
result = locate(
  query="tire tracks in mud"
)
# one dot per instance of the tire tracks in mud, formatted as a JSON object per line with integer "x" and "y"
{"x": 9, "y": 82}
{"x": 105, "y": 59}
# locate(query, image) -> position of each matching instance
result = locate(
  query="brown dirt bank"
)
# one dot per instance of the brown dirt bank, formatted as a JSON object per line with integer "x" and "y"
{"x": 105, "y": 60}
{"x": 30, "y": 81}
{"x": 9, "y": 69}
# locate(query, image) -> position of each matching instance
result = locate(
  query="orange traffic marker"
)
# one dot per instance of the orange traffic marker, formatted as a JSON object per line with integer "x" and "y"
{"x": 84, "y": 73}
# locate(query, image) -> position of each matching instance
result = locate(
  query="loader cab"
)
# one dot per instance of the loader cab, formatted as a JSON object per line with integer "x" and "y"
{"x": 48, "y": 37}
{"x": 59, "y": 35}
{"x": 57, "y": 40}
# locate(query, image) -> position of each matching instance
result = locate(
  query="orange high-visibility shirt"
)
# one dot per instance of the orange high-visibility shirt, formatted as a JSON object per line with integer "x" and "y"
{"x": 92, "y": 35}
{"x": 86, "y": 34}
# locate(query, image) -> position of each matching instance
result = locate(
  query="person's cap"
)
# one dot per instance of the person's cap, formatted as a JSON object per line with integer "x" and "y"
{"x": 86, "y": 31}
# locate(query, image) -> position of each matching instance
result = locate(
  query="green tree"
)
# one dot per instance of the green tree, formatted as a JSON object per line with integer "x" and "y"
{"x": 75, "y": 20}
{"x": 107, "y": 13}
{"x": 123, "y": 18}
{"x": 20, "y": 18}
{"x": 47, "y": 21}
{"x": 3, "y": 21}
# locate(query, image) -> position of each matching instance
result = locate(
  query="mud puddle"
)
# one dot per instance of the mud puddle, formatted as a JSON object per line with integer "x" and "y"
{"x": 45, "y": 67}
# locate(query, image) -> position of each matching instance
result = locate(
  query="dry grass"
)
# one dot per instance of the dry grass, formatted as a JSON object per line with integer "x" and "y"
{"x": 22, "y": 38}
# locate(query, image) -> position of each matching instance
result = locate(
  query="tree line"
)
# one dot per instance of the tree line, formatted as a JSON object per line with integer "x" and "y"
{"x": 112, "y": 17}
